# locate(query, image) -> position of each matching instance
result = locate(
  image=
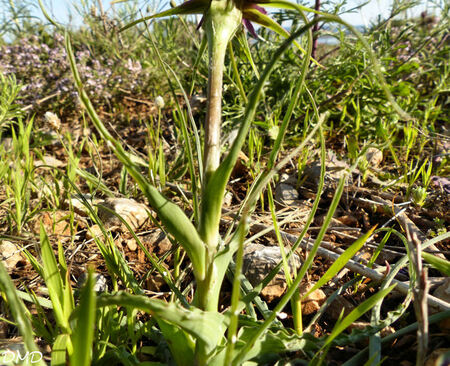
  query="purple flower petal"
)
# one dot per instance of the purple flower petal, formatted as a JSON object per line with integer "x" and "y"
{"x": 250, "y": 27}
{"x": 247, "y": 22}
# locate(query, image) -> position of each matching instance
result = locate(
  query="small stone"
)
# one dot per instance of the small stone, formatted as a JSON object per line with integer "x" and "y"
{"x": 155, "y": 282}
{"x": 49, "y": 160}
{"x": 285, "y": 193}
{"x": 131, "y": 244}
{"x": 363, "y": 325}
{"x": 134, "y": 213}
{"x": 259, "y": 260}
{"x": 77, "y": 203}
{"x": 7, "y": 143}
{"x": 228, "y": 199}
{"x": 10, "y": 255}
{"x": 340, "y": 303}
{"x": 442, "y": 293}
{"x": 197, "y": 102}
{"x": 290, "y": 179}
{"x": 100, "y": 285}
{"x": 94, "y": 232}
{"x": 314, "y": 300}
{"x": 157, "y": 242}
{"x": 374, "y": 157}
{"x": 335, "y": 169}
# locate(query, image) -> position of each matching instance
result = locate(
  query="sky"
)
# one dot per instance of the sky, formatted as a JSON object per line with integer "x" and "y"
{"x": 367, "y": 14}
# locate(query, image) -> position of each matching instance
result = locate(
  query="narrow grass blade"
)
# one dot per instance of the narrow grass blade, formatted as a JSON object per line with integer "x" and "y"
{"x": 440, "y": 264}
{"x": 341, "y": 262}
{"x": 19, "y": 312}
{"x": 256, "y": 16}
{"x": 59, "y": 350}
{"x": 356, "y": 313}
{"x": 83, "y": 334}
{"x": 188, "y": 7}
{"x": 53, "y": 280}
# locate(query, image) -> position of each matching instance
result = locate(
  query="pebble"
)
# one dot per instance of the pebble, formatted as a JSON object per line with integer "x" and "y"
{"x": 10, "y": 255}
{"x": 286, "y": 193}
{"x": 259, "y": 260}
{"x": 134, "y": 213}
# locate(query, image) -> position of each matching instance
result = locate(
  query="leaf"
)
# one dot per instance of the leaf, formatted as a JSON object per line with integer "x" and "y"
{"x": 188, "y": 7}
{"x": 356, "y": 313}
{"x": 59, "y": 350}
{"x": 53, "y": 280}
{"x": 256, "y": 16}
{"x": 340, "y": 262}
{"x": 440, "y": 264}
{"x": 268, "y": 347}
{"x": 18, "y": 311}
{"x": 209, "y": 327}
{"x": 83, "y": 334}
{"x": 180, "y": 343}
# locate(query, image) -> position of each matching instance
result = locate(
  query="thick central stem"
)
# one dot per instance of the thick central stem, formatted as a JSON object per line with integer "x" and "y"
{"x": 221, "y": 22}
{"x": 220, "y": 25}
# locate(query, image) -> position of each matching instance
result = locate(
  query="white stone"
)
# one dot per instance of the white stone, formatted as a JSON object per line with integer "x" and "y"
{"x": 134, "y": 213}
{"x": 10, "y": 254}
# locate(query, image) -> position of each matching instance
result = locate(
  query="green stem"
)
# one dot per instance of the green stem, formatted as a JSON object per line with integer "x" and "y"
{"x": 221, "y": 22}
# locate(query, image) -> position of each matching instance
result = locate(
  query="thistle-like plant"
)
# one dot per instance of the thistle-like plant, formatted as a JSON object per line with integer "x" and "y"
{"x": 196, "y": 332}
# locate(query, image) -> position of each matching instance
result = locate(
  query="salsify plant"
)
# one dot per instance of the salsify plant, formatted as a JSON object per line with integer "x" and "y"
{"x": 197, "y": 333}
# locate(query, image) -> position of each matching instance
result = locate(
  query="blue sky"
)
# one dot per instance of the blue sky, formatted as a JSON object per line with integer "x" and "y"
{"x": 61, "y": 8}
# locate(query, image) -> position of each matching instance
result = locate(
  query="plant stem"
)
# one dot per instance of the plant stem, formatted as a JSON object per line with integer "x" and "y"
{"x": 221, "y": 22}
{"x": 220, "y": 26}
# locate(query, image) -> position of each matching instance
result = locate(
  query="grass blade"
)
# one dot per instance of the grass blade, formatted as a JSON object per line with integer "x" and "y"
{"x": 341, "y": 262}
{"x": 83, "y": 334}
{"x": 440, "y": 264}
{"x": 356, "y": 313}
{"x": 18, "y": 311}
{"x": 53, "y": 280}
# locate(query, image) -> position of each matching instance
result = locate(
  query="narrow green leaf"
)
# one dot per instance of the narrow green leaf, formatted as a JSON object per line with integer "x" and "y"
{"x": 181, "y": 343}
{"x": 188, "y": 7}
{"x": 83, "y": 334}
{"x": 59, "y": 350}
{"x": 52, "y": 278}
{"x": 256, "y": 16}
{"x": 41, "y": 300}
{"x": 340, "y": 262}
{"x": 19, "y": 312}
{"x": 356, "y": 313}
{"x": 208, "y": 327}
{"x": 440, "y": 264}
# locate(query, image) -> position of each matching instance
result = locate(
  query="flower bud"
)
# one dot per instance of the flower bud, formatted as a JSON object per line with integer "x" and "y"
{"x": 159, "y": 101}
{"x": 53, "y": 120}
